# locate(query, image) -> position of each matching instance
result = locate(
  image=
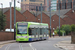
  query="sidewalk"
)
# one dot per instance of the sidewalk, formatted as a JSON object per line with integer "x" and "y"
{"x": 58, "y": 36}
{"x": 5, "y": 42}
{"x": 66, "y": 45}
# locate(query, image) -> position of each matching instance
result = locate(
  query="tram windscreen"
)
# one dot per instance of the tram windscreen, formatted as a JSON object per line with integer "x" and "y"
{"x": 22, "y": 28}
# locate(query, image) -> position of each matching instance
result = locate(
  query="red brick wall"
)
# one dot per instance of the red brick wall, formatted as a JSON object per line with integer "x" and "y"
{"x": 6, "y": 36}
{"x": 45, "y": 18}
{"x": 55, "y": 23}
{"x": 71, "y": 17}
{"x": 19, "y": 17}
{"x": 30, "y": 17}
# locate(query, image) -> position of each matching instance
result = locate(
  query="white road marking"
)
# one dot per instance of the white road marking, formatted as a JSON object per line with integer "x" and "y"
{"x": 7, "y": 48}
{"x": 20, "y": 46}
{"x": 32, "y": 46}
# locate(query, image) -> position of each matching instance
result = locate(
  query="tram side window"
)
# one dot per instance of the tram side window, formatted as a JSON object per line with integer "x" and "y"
{"x": 33, "y": 31}
{"x": 46, "y": 31}
{"x": 40, "y": 31}
{"x": 30, "y": 31}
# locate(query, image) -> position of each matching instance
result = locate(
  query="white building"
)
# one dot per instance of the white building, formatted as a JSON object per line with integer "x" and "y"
{"x": 53, "y": 5}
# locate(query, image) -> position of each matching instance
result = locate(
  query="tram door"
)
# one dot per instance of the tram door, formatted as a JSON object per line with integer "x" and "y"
{"x": 38, "y": 33}
{"x": 43, "y": 33}
{"x": 34, "y": 33}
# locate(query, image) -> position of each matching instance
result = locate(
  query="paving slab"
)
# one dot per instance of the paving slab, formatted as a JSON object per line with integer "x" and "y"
{"x": 66, "y": 45}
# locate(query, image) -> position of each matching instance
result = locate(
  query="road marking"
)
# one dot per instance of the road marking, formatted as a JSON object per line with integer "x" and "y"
{"x": 7, "y": 48}
{"x": 32, "y": 46}
{"x": 20, "y": 46}
{"x": 3, "y": 45}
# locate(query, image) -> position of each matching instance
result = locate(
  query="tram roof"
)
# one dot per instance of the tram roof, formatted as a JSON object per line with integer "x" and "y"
{"x": 34, "y": 23}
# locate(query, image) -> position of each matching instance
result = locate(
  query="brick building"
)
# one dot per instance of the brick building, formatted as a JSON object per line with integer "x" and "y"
{"x": 66, "y": 17}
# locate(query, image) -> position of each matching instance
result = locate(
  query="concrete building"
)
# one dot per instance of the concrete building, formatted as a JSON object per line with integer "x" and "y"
{"x": 66, "y": 4}
{"x": 33, "y": 5}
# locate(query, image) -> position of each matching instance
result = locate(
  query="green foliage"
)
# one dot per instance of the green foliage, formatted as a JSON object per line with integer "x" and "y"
{"x": 18, "y": 9}
{"x": 73, "y": 28}
{"x": 2, "y": 21}
{"x": 66, "y": 28}
{"x": 61, "y": 32}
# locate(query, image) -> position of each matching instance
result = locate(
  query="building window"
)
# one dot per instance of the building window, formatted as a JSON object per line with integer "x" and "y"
{"x": 21, "y": 0}
{"x": 36, "y": 8}
{"x": 32, "y": 0}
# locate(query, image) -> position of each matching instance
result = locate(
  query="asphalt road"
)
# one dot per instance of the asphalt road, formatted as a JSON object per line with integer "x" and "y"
{"x": 36, "y": 45}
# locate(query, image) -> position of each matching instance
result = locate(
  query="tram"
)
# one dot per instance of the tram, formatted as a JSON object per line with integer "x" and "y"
{"x": 31, "y": 31}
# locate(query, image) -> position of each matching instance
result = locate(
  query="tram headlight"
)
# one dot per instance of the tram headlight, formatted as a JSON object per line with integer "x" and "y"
{"x": 18, "y": 37}
{"x": 26, "y": 37}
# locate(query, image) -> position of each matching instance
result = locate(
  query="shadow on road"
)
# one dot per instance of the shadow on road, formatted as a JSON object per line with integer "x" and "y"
{"x": 30, "y": 41}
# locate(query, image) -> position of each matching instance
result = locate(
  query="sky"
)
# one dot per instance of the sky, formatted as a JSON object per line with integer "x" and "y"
{"x": 6, "y": 3}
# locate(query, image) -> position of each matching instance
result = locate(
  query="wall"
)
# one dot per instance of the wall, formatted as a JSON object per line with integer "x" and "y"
{"x": 6, "y": 36}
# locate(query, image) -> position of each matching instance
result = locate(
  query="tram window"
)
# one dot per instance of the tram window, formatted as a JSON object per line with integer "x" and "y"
{"x": 30, "y": 31}
{"x": 40, "y": 31}
{"x": 46, "y": 31}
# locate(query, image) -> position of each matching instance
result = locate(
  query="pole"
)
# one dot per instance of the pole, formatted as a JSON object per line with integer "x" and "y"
{"x": 10, "y": 18}
{"x": 59, "y": 18}
{"x": 50, "y": 20}
{"x": 41, "y": 12}
{"x": 14, "y": 19}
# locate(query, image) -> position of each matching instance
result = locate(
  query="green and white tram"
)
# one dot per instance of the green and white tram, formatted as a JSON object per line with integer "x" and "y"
{"x": 31, "y": 31}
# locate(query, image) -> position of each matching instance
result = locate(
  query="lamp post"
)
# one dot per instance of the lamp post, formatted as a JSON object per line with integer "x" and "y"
{"x": 14, "y": 19}
{"x": 10, "y": 17}
{"x": 41, "y": 12}
{"x": 50, "y": 20}
{"x": 59, "y": 18}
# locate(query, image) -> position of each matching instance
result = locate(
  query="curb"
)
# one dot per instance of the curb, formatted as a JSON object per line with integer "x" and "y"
{"x": 57, "y": 45}
{"x": 6, "y": 42}
{"x": 58, "y": 36}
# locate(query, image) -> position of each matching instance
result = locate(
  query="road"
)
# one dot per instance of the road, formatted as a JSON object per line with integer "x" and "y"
{"x": 36, "y": 45}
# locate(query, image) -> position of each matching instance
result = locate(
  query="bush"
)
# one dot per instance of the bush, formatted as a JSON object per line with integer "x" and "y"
{"x": 73, "y": 28}
{"x": 61, "y": 32}
{"x": 66, "y": 28}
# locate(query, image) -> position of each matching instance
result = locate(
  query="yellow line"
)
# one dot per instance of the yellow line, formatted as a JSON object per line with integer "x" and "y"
{"x": 3, "y": 45}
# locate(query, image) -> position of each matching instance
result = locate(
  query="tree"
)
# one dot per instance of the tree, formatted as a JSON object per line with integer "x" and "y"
{"x": 66, "y": 28}
{"x": 18, "y": 9}
{"x": 73, "y": 28}
{"x": 2, "y": 21}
